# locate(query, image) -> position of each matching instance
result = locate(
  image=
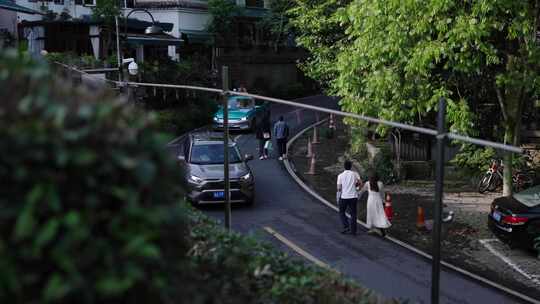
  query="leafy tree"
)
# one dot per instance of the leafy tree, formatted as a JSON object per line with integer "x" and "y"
{"x": 395, "y": 59}
{"x": 276, "y": 23}
{"x": 222, "y": 12}
{"x": 322, "y": 34}
{"x": 106, "y": 11}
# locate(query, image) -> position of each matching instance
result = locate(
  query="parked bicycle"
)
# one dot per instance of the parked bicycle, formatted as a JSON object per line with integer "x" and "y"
{"x": 493, "y": 178}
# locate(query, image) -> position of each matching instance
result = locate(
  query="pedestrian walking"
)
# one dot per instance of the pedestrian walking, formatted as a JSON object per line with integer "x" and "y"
{"x": 375, "y": 218}
{"x": 347, "y": 183}
{"x": 281, "y": 132}
{"x": 263, "y": 134}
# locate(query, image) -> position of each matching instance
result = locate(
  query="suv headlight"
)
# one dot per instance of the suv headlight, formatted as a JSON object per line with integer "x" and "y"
{"x": 246, "y": 177}
{"x": 243, "y": 118}
{"x": 195, "y": 179}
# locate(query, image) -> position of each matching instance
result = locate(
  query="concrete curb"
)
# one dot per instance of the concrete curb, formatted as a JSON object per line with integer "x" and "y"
{"x": 464, "y": 272}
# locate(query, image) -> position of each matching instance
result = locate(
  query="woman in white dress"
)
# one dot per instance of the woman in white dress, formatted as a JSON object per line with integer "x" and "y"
{"x": 376, "y": 218}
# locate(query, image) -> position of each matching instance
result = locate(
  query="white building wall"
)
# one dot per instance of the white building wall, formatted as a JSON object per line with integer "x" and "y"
{"x": 76, "y": 11}
{"x": 182, "y": 19}
{"x": 8, "y": 21}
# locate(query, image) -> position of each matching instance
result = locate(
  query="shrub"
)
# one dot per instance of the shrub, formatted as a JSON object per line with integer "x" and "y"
{"x": 179, "y": 120}
{"x": 473, "y": 158}
{"x": 88, "y": 211}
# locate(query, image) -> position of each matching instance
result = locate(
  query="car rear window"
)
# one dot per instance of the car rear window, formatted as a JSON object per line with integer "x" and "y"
{"x": 530, "y": 197}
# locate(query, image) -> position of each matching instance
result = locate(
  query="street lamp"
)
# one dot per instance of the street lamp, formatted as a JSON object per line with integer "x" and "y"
{"x": 151, "y": 30}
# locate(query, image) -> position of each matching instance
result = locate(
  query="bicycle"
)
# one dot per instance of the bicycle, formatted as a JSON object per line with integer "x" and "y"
{"x": 493, "y": 178}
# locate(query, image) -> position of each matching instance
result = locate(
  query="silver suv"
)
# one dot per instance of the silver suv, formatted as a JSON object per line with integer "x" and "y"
{"x": 203, "y": 158}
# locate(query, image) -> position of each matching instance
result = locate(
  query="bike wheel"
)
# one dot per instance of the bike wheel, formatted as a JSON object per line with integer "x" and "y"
{"x": 495, "y": 182}
{"x": 484, "y": 183}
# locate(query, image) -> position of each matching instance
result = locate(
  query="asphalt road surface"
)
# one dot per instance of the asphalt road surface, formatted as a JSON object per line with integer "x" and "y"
{"x": 374, "y": 262}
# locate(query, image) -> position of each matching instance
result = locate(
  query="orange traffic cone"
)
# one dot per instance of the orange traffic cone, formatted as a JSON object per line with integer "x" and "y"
{"x": 388, "y": 210}
{"x": 420, "y": 220}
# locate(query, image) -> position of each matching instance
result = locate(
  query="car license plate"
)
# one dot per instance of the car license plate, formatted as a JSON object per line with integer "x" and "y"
{"x": 220, "y": 194}
{"x": 496, "y": 216}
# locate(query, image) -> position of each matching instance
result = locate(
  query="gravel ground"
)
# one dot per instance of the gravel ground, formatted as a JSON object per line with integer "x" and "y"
{"x": 467, "y": 242}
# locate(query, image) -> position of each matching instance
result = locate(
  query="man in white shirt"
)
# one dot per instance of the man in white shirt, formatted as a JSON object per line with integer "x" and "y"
{"x": 347, "y": 183}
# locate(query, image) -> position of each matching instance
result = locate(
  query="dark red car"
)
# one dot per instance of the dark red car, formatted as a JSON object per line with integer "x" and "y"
{"x": 516, "y": 219}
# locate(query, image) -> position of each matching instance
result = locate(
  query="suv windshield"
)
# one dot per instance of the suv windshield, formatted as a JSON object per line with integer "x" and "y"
{"x": 212, "y": 154}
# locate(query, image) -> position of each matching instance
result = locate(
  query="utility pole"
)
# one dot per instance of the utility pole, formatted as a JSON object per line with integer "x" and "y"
{"x": 437, "y": 210}
{"x": 225, "y": 83}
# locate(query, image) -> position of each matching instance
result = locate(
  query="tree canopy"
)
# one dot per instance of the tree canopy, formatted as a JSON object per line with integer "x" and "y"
{"x": 394, "y": 59}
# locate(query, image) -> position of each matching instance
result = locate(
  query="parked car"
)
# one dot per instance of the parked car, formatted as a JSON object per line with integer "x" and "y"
{"x": 203, "y": 159}
{"x": 243, "y": 113}
{"x": 516, "y": 219}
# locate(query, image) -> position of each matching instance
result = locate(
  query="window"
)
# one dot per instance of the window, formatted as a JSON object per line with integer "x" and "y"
{"x": 61, "y": 2}
{"x": 89, "y": 2}
{"x": 78, "y": 2}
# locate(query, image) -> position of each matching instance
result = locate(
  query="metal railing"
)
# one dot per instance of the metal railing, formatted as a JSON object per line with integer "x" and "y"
{"x": 440, "y": 134}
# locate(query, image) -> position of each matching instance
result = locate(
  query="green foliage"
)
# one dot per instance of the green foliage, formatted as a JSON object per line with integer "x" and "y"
{"x": 381, "y": 164}
{"x": 322, "y": 34}
{"x": 179, "y": 110}
{"x": 106, "y": 10}
{"x": 72, "y": 59}
{"x": 474, "y": 159}
{"x": 179, "y": 120}
{"x": 276, "y": 22}
{"x": 222, "y": 12}
{"x": 89, "y": 207}
{"x": 396, "y": 59}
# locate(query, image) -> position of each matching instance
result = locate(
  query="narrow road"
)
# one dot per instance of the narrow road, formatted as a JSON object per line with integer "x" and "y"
{"x": 372, "y": 261}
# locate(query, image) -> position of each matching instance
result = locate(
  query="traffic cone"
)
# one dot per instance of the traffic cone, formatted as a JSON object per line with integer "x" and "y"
{"x": 420, "y": 219}
{"x": 309, "y": 147}
{"x": 388, "y": 210}
{"x": 315, "y": 136}
{"x": 312, "y": 165}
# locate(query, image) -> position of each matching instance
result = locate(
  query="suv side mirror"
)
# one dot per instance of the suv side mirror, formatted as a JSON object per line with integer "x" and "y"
{"x": 248, "y": 157}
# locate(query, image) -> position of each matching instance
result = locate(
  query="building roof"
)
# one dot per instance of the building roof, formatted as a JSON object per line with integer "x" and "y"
{"x": 160, "y": 39}
{"x": 12, "y": 6}
{"x": 132, "y": 24}
{"x": 192, "y": 36}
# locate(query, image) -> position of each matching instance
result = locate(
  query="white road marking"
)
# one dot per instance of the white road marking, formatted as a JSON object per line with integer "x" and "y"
{"x": 237, "y": 137}
{"x": 299, "y": 250}
{"x": 508, "y": 261}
